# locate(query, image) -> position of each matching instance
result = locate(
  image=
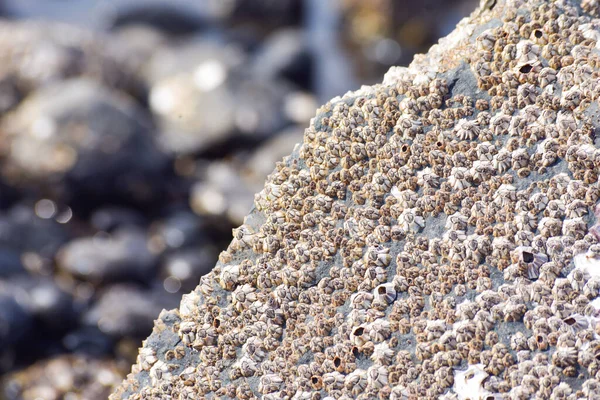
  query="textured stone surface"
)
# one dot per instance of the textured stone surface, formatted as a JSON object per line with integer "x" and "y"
{"x": 433, "y": 236}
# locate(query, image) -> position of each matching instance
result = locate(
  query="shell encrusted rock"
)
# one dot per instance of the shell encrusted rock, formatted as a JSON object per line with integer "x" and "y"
{"x": 434, "y": 236}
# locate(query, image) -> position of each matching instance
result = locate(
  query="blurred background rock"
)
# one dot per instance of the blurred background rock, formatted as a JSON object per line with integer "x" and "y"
{"x": 133, "y": 136}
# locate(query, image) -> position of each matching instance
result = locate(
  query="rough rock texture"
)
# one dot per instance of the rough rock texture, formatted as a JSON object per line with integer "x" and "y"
{"x": 432, "y": 236}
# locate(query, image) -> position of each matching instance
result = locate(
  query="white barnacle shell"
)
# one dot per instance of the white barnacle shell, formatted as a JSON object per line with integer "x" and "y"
{"x": 254, "y": 349}
{"x": 482, "y": 170}
{"x": 468, "y": 384}
{"x": 502, "y": 161}
{"x": 435, "y": 329}
{"x": 410, "y": 221}
{"x": 246, "y": 366}
{"x": 486, "y": 151}
{"x": 527, "y": 51}
{"x": 269, "y": 383}
{"x": 379, "y": 330}
{"x": 377, "y": 376}
{"x": 539, "y": 201}
{"x": 526, "y": 221}
{"x": 500, "y": 124}
{"x": 474, "y": 249}
{"x": 301, "y": 395}
{"x": 229, "y": 276}
{"x": 575, "y": 227}
{"x": 382, "y": 354}
{"x": 576, "y": 208}
{"x": 459, "y": 178}
{"x": 147, "y": 358}
{"x": 361, "y": 300}
{"x": 385, "y": 293}
{"x": 378, "y": 256}
{"x": 589, "y": 31}
{"x": 456, "y": 221}
{"x": 189, "y": 303}
{"x": 566, "y": 122}
{"x": 486, "y": 40}
{"x": 356, "y": 381}
{"x": 406, "y": 198}
{"x": 333, "y": 380}
{"x": 577, "y": 322}
{"x": 244, "y": 235}
{"x": 356, "y": 317}
{"x": 187, "y": 332}
{"x": 243, "y": 296}
{"x": 159, "y": 372}
{"x": 466, "y": 130}
{"x": 351, "y": 227}
{"x": 505, "y": 195}
{"x": 427, "y": 177}
{"x": 454, "y": 237}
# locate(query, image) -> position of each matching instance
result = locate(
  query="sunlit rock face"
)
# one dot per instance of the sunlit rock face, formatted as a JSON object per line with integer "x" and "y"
{"x": 433, "y": 236}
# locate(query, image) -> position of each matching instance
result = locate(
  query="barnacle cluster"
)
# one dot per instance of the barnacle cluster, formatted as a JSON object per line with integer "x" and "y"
{"x": 433, "y": 236}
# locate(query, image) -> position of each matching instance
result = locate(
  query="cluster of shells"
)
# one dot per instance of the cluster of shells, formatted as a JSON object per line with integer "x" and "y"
{"x": 422, "y": 242}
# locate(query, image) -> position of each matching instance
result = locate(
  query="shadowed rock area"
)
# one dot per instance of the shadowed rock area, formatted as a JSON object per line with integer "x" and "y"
{"x": 432, "y": 237}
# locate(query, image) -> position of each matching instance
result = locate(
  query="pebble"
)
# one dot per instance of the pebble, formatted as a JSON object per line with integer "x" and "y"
{"x": 119, "y": 256}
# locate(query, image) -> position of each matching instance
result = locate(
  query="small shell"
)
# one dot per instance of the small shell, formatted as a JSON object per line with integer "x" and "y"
{"x": 385, "y": 293}
{"x": 410, "y": 221}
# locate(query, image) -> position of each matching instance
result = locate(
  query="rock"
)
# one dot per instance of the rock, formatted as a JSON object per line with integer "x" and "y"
{"x": 15, "y": 319}
{"x": 170, "y": 18}
{"x": 10, "y": 263}
{"x": 65, "y": 376}
{"x": 40, "y": 53}
{"x": 120, "y": 256}
{"x": 267, "y": 13}
{"x": 127, "y": 311}
{"x": 261, "y": 162}
{"x": 82, "y": 135}
{"x": 89, "y": 340}
{"x": 433, "y": 237}
{"x": 181, "y": 271}
{"x": 111, "y": 218}
{"x": 191, "y": 84}
{"x": 179, "y": 229}
{"x": 285, "y": 55}
{"x": 222, "y": 193}
{"x": 52, "y": 307}
{"x": 32, "y": 237}
{"x": 259, "y": 108}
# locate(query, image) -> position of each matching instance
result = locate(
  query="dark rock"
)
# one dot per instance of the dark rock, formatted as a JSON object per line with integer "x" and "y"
{"x": 22, "y": 231}
{"x": 182, "y": 270}
{"x": 285, "y": 55}
{"x": 15, "y": 319}
{"x": 222, "y": 192}
{"x": 35, "y": 53}
{"x": 172, "y": 19}
{"x": 10, "y": 263}
{"x": 127, "y": 310}
{"x": 110, "y": 218}
{"x": 50, "y": 305}
{"x": 86, "y": 140}
{"x": 268, "y": 13}
{"x": 88, "y": 340}
{"x": 123, "y": 255}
